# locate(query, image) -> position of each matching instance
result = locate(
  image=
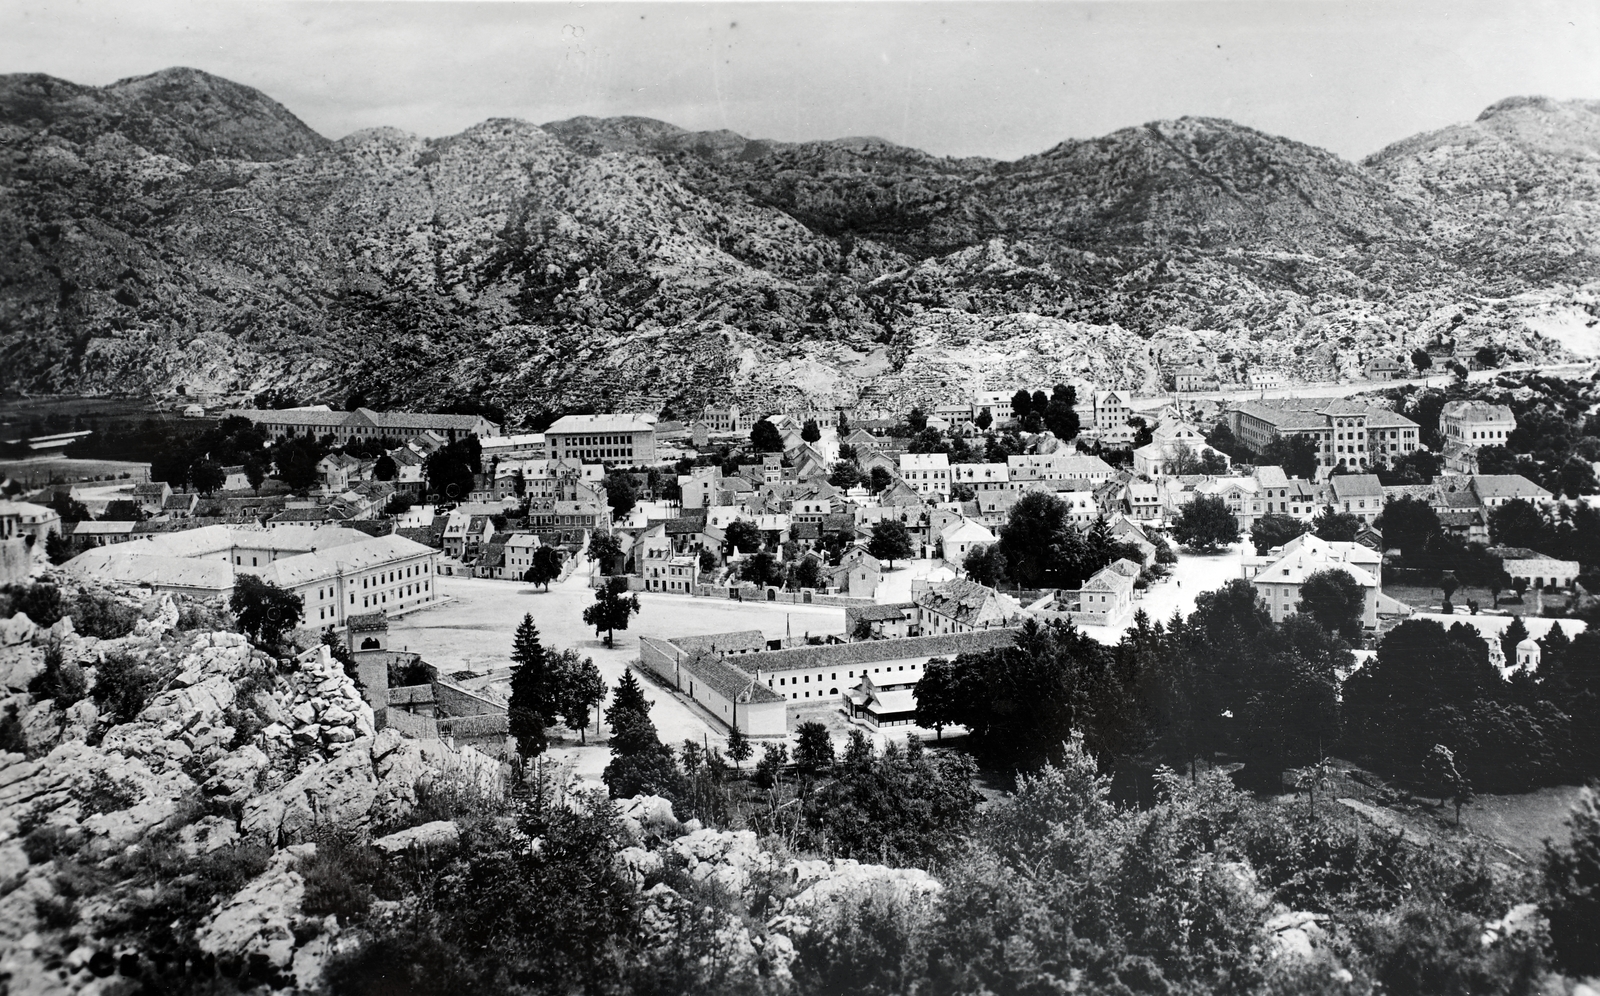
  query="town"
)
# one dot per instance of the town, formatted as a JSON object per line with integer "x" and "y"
{"x": 806, "y": 566}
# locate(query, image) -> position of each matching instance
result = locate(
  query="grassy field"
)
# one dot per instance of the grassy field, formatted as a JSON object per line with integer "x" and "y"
{"x": 1522, "y": 822}
{"x": 1425, "y": 599}
{"x": 39, "y": 471}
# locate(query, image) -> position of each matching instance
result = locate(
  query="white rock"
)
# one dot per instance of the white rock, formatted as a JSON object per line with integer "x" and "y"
{"x": 203, "y": 702}
{"x": 256, "y": 920}
{"x": 439, "y": 833}
{"x": 16, "y": 630}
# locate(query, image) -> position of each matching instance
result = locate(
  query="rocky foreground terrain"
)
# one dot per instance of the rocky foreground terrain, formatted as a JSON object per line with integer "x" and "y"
{"x": 190, "y": 829}
{"x": 181, "y": 229}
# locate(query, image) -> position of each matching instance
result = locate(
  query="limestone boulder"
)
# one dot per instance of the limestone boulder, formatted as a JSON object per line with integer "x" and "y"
{"x": 17, "y": 630}
{"x": 635, "y": 863}
{"x": 727, "y": 858}
{"x": 647, "y": 815}
{"x": 208, "y": 834}
{"x": 235, "y": 777}
{"x": 429, "y": 836}
{"x": 204, "y": 702}
{"x": 19, "y": 665}
{"x": 339, "y": 791}
{"x": 258, "y": 920}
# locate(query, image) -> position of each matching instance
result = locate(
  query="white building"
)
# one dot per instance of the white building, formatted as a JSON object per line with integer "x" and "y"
{"x": 1058, "y": 467}
{"x": 1109, "y": 416}
{"x": 928, "y": 474}
{"x": 1278, "y": 576}
{"x": 627, "y": 440}
{"x": 1467, "y": 425}
{"x": 335, "y": 571}
{"x": 24, "y": 519}
{"x": 1174, "y": 448}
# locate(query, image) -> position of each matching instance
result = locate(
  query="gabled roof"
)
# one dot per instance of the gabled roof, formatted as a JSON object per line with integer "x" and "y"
{"x": 738, "y": 641}
{"x": 1356, "y": 486}
{"x": 1506, "y": 486}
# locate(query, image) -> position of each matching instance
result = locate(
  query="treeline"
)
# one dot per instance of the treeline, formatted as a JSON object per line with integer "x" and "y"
{"x": 1227, "y": 685}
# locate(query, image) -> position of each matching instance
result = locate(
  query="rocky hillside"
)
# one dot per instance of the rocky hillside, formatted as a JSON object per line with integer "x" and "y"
{"x": 187, "y": 809}
{"x": 181, "y": 229}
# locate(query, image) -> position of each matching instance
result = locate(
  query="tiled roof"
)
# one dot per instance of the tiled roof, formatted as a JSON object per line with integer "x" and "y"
{"x": 367, "y": 622}
{"x": 730, "y": 682}
{"x": 869, "y": 651}
{"x": 617, "y": 423}
{"x": 740, "y": 640}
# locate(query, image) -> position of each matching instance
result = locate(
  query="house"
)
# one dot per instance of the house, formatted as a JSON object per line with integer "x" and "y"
{"x": 1494, "y": 490}
{"x": 1359, "y": 494}
{"x": 180, "y": 506}
{"x": 1539, "y": 570}
{"x": 881, "y": 707}
{"x": 520, "y": 547}
{"x": 1263, "y": 379}
{"x": 1386, "y": 368}
{"x": 928, "y": 474}
{"x": 88, "y": 534}
{"x": 858, "y": 574}
{"x": 1174, "y": 448}
{"x": 813, "y": 675}
{"x": 335, "y": 571}
{"x": 466, "y": 532}
{"x": 1057, "y": 466}
{"x": 726, "y": 421}
{"x": 152, "y": 495}
{"x": 700, "y": 486}
{"x": 676, "y": 574}
{"x": 1124, "y": 529}
{"x": 1281, "y": 494}
{"x": 335, "y": 470}
{"x": 25, "y": 520}
{"x": 1192, "y": 378}
{"x": 963, "y": 606}
{"x": 1106, "y": 599}
{"x": 1278, "y": 575}
{"x": 981, "y": 476}
{"x": 1109, "y": 417}
{"x": 523, "y": 446}
{"x": 627, "y": 440}
{"x": 961, "y": 537}
{"x": 880, "y": 622}
{"x": 1468, "y": 425}
{"x": 317, "y": 421}
{"x": 711, "y": 677}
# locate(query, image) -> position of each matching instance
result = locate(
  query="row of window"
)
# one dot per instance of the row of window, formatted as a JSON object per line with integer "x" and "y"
{"x": 833, "y": 676}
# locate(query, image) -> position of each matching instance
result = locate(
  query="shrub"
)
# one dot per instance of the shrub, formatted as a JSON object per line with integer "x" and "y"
{"x": 61, "y": 680}
{"x": 210, "y": 615}
{"x": 339, "y": 878}
{"x": 50, "y": 842}
{"x": 122, "y": 686}
{"x": 39, "y": 602}
{"x": 12, "y": 738}
{"x": 102, "y": 616}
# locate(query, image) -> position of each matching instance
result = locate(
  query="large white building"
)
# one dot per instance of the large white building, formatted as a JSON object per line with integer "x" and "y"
{"x": 627, "y": 440}
{"x": 1110, "y": 413}
{"x": 1467, "y": 425}
{"x": 23, "y": 519}
{"x": 928, "y": 474}
{"x": 364, "y": 423}
{"x": 1278, "y": 576}
{"x": 336, "y": 571}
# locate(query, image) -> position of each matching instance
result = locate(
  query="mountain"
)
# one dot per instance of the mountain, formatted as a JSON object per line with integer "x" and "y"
{"x": 180, "y": 229}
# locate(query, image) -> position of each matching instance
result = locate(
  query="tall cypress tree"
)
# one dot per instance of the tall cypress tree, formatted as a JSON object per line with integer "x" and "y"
{"x": 533, "y": 695}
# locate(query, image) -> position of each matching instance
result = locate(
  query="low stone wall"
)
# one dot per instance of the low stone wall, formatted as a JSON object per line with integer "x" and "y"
{"x": 409, "y": 725}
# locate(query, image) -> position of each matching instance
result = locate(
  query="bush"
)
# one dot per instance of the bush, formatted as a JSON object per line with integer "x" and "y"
{"x": 12, "y": 738}
{"x": 61, "y": 680}
{"x": 39, "y": 602}
{"x": 339, "y": 879}
{"x": 102, "y": 617}
{"x": 209, "y": 615}
{"x": 122, "y": 686}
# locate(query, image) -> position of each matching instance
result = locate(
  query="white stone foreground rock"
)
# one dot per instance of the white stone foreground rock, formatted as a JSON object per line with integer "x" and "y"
{"x": 437, "y": 834}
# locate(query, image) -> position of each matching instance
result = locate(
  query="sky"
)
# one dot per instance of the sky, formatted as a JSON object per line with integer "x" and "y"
{"x": 954, "y": 78}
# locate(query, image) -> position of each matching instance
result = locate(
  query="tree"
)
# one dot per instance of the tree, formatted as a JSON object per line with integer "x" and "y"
{"x": 1487, "y": 356}
{"x": 880, "y": 479}
{"x": 1496, "y": 579}
{"x": 207, "y": 476}
{"x": 984, "y": 420}
{"x": 1335, "y": 600}
{"x": 629, "y": 697}
{"x": 452, "y": 471}
{"x": 1272, "y": 530}
{"x": 544, "y": 568}
{"x": 1205, "y": 525}
{"x": 811, "y": 432}
{"x": 1420, "y": 359}
{"x": 605, "y": 549}
{"x": 385, "y": 468}
{"x": 1513, "y": 635}
{"x": 1448, "y": 584}
{"x": 708, "y": 561}
{"x": 742, "y": 536}
{"x": 806, "y": 574}
{"x": 1021, "y": 404}
{"x": 256, "y": 473}
{"x": 620, "y": 493}
{"x": 1335, "y": 526}
{"x": 813, "y": 752}
{"x": 579, "y": 690}
{"x": 263, "y": 610}
{"x": 57, "y": 548}
{"x": 1572, "y": 890}
{"x": 903, "y": 807}
{"x": 1409, "y": 524}
{"x": 765, "y": 438}
{"x": 891, "y": 541}
{"x": 1517, "y": 523}
{"x": 963, "y": 492}
{"x": 1060, "y": 417}
{"x": 761, "y": 570}
{"x": 739, "y": 748}
{"x": 612, "y": 608}
{"x": 1519, "y": 585}
{"x": 917, "y": 420}
{"x": 985, "y": 564}
{"x": 1443, "y": 775}
{"x": 845, "y": 475}
{"x": 1296, "y": 454}
{"x": 534, "y": 696}
{"x": 69, "y": 508}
